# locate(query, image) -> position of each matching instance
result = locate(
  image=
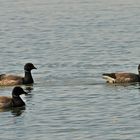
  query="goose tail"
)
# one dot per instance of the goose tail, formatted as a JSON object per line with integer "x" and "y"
{"x": 108, "y": 77}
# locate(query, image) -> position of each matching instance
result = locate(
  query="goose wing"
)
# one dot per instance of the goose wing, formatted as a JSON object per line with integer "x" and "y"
{"x": 9, "y": 77}
{"x": 127, "y": 77}
{"x": 5, "y": 102}
{"x": 10, "y": 80}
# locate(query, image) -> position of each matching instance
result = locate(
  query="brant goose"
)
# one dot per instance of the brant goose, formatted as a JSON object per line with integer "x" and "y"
{"x": 14, "y": 101}
{"x": 122, "y": 77}
{"x": 10, "y": 80}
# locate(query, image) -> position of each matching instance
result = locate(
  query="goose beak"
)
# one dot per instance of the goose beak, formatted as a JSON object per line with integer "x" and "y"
{"x": 25, "y": 93}
{"x": 34, "y": 67}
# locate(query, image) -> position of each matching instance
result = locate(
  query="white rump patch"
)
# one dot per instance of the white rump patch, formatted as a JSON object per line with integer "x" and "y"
{"x": 109, "y": 79}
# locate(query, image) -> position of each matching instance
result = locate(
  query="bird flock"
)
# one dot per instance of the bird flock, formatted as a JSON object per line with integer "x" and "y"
{"x": 13, "y": 80}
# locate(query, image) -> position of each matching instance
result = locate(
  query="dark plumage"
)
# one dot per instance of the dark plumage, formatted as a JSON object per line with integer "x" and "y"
{"x": 14, "y": 101}
{"x": 122, "y": 77}
{"x": 10, "y": 80}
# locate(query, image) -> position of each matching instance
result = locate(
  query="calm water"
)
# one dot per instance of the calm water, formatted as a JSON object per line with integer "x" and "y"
{"x": 72, "y": 42}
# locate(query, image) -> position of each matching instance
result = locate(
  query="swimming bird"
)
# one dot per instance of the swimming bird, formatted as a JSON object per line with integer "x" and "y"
{"x": 10, "y": 80}
{"x": 14, "y": 101}
{"x": 122, "y": 77}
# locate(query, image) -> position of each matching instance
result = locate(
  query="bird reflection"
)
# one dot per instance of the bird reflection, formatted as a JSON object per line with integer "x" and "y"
{"x": 15, "y": 111}
{"x": 29, "y": 88}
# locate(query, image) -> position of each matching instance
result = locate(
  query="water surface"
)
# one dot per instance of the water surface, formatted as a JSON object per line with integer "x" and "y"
{"x": 71, "y": 43}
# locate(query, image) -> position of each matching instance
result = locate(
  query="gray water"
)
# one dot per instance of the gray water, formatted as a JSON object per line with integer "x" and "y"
{"x": 71, "y": 42}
